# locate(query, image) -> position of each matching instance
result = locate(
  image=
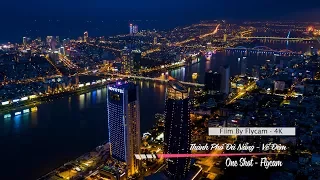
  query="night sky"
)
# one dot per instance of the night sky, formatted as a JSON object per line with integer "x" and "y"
{"x": 17, "y": 15}
{"x": 197, "y": 9}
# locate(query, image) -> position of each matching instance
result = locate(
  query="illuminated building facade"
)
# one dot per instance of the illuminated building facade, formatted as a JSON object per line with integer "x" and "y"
{"x": 25, "y": 40}
{"x": 135, "y": 29}
{"x": 155, "y": 40}
{"x": 177, "y": 135}
{"x": 126, "y": 61}
{"x": 62, "y": 50}
{"x": 49, "y": 39}
{"x": 57, "y": 39}
{"x": 131, "y": 61}
{"x": 124, "y": 124}
{"x": 85, "y": 36}
{"x": 131, "y": 29}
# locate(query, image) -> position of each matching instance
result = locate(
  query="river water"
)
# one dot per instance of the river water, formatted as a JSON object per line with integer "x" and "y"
{"x": 61, "y": 130}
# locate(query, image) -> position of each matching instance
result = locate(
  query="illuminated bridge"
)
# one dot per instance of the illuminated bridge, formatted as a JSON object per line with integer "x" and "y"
{"x": 277, "y": 38}
{"x": 154, "y": 79}
{"x": 263, "y": 50}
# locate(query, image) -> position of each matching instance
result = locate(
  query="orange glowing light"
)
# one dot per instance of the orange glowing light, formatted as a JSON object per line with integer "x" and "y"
{"x": 310, "y": 29}
{"x": 171, "y": 78}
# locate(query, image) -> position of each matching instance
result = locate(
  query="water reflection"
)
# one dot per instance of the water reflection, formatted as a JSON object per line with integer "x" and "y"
{"x": 94, "y": 97}
{"x": 88, "y": 99}
{"x": 99, "y": 96}
{"x": 81, "y": 101}
{"x": 16, "y": 123}
{"x": 34, "y": 118}
{"x": 69, "y": 103}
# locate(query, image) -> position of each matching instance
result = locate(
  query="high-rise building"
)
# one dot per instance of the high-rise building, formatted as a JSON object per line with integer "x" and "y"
{"x": 123, "y": 111}
{"x": 65, "y": 42}
{"x": 225, "y": 36}
{"x": 155, "y": 40}
{"x": 24, "y": 40}
{"x": 244, "y": 66}
{"x": 177, "y": 134}
{"x": 131, "y": 29}
{"x": 58, "y": 39}
{"x": 212, "y": 81}
{"x": 136, "y": 58}
{"x": 126, "y": 61}
{"x": 85, "y": 36}
{"x": 49, "y": 39}
{"x": 62, "y": 50}
{"x": 225, "y": 79}
{"x": 135, "y": 29}
{"x": 279, "y": 85}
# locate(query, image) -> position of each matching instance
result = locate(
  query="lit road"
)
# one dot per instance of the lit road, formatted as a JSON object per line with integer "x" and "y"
{"x": 278, "y": 38}
{"x": 55, "y": 67}
{"x": 183, "y": 42}
{"x": 67, "y": 62}
{"x": 202, "y": 36}
{"x": 30, "y": 80}
{"x": 153, "y": 79}
{"x": 250, "y": 87}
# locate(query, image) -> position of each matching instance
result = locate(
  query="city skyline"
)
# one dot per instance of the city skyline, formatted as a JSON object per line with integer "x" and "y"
{"x": 155, "y": 102}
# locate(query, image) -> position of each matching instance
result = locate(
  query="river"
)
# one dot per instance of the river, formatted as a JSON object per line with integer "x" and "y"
{"x": 61, "y": 130}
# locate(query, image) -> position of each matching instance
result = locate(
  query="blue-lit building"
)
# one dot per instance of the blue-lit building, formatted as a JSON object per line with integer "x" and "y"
{"x": 177, "y": 135}
{"x": 124, "y": 123}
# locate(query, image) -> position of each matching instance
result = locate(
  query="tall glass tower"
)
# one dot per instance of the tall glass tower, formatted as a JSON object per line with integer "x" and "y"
{"x": 177, "y": 136}
{"x": 124, "y": 124}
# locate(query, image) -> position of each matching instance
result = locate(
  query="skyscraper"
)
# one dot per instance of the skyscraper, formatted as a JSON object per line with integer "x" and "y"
{"x": 225, "y": 79}
{"x": 131, "y": 29}
{"x": 58, "y": 39}
{"x": 24, "y": 40}
{"x": 136, "y": 58}
{"x": 49, "y": 39}
{"x": 124, "y": 124}
{"x": 212, "y": 81}
{"x": 177, "y": 134}
{"x": 126, "y": 61}
{"x": 135, "y": 29}
{"x": 155, "y": 40}
{"x": 85, "y": 36}
{"x": 225, "y": 36}
{"x": 62, "y": 50}
{"x": 244, "y": 66}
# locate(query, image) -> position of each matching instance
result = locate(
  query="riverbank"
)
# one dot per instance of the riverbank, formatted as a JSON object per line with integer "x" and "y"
{"x": 46, "y": 98}
{"x": 89, "y": 161}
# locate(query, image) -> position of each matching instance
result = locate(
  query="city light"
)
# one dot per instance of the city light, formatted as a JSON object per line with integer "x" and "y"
{"x": 34, "y": 109}
{"x": 5, "y": 103}
{"x": 7, "y": 116}
{"x": 24, "y": 99}
{"x": 17, "y": 113}
{"x": 16, "y": 100}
